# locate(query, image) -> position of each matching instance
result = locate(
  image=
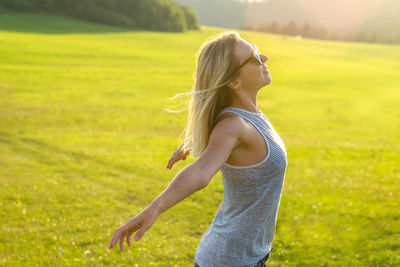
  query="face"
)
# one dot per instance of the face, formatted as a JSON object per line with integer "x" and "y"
{"x": 253, "y": 75}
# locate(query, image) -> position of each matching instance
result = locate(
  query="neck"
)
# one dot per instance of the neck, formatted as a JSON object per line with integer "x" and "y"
{"x": 245, "y": 100}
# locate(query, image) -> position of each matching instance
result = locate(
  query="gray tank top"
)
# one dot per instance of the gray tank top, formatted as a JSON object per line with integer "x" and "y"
{"x": 242, "y": 231}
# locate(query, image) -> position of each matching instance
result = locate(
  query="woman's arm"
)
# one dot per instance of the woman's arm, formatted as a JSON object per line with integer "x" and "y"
{"x": 223, "y": 139}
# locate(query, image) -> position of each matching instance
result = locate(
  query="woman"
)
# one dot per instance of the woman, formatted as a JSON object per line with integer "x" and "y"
{"x": 228, "y": 132}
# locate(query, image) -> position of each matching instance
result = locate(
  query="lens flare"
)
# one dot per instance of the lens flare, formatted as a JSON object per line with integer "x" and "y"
{"x": 340, "y": 14}
{"x": 336, "y": 16}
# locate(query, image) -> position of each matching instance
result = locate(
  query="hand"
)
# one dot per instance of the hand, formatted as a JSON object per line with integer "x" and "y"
{"x": 143, "y": 221}
{"x": 178, "y": 155}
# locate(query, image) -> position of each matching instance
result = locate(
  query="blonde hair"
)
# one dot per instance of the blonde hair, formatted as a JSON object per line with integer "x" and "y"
{"x": 215, "y": 69}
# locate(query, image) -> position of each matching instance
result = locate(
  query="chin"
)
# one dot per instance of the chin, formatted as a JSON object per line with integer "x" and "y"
{"x": 268, "y": 80}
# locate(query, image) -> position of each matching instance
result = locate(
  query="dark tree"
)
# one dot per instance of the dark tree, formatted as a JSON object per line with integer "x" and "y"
{"x": 290, "y": 29}
{"x": 164, "y": 15}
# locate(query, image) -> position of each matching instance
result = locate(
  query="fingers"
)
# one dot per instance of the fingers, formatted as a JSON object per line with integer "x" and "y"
{"x": 128, "y": 239}
{"x": 120, "y": 240}
{"x": 139, "y": 234}
{"x": 114, "y": 239}
{"x": 119, "y": 235}
{"x": 121, "y": 243}
{"x": 178, "y": 155}
{"x": 185, "y": 155}
{"x": 124, "y": 231}
{"x": 142, "y": 230}
{"x": 169, "y": 165}
{"x": 171, "y": 162}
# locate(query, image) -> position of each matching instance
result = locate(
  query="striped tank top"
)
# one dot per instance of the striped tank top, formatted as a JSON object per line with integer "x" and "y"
{"x": 243, "y": 229}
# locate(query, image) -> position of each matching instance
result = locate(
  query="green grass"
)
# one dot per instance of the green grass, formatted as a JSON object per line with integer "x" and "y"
{"x": 84, "y": 141}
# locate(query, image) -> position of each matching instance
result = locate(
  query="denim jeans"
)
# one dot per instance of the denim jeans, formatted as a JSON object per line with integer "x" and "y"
{"x": 261, "y": 263}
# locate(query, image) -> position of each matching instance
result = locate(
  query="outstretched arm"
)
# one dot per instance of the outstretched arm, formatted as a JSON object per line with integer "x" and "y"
{"x": 224, "y": 138}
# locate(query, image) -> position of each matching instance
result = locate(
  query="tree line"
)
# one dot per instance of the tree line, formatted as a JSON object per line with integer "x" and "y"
{"x": 309, "y": 31}
{"x": 219, "y": 13}
{"x": 238, "y": 14}
{"x": 159, "y": 15}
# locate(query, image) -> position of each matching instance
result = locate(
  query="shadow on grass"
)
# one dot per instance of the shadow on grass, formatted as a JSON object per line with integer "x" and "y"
{"x": 70, "y": 164}
{"x": 53, "y": 24}
{"x": 53, "y": 156}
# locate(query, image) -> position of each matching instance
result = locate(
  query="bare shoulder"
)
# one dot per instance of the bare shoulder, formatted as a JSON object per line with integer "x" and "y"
{"x": 230, "y": 124}
{"x": 224, "y": 138}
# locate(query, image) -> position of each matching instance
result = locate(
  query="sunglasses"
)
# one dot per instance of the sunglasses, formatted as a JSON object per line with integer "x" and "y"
{"x": 255, "y": 55}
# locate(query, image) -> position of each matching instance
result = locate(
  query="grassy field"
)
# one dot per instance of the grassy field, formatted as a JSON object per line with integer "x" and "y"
{"x": 85, "y": 138}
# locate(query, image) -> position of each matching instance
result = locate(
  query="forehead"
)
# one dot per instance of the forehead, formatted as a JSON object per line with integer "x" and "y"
{"x": 243, "y": 49}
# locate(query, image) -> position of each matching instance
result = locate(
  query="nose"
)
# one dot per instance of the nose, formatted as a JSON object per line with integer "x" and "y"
{"x": 264, "y": 58}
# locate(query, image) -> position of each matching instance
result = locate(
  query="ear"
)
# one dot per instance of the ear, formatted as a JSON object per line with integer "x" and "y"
{"x": 235, "y": 84}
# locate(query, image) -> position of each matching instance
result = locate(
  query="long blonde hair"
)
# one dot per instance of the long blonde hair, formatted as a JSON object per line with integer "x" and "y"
{"x": 215, "y": 69}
